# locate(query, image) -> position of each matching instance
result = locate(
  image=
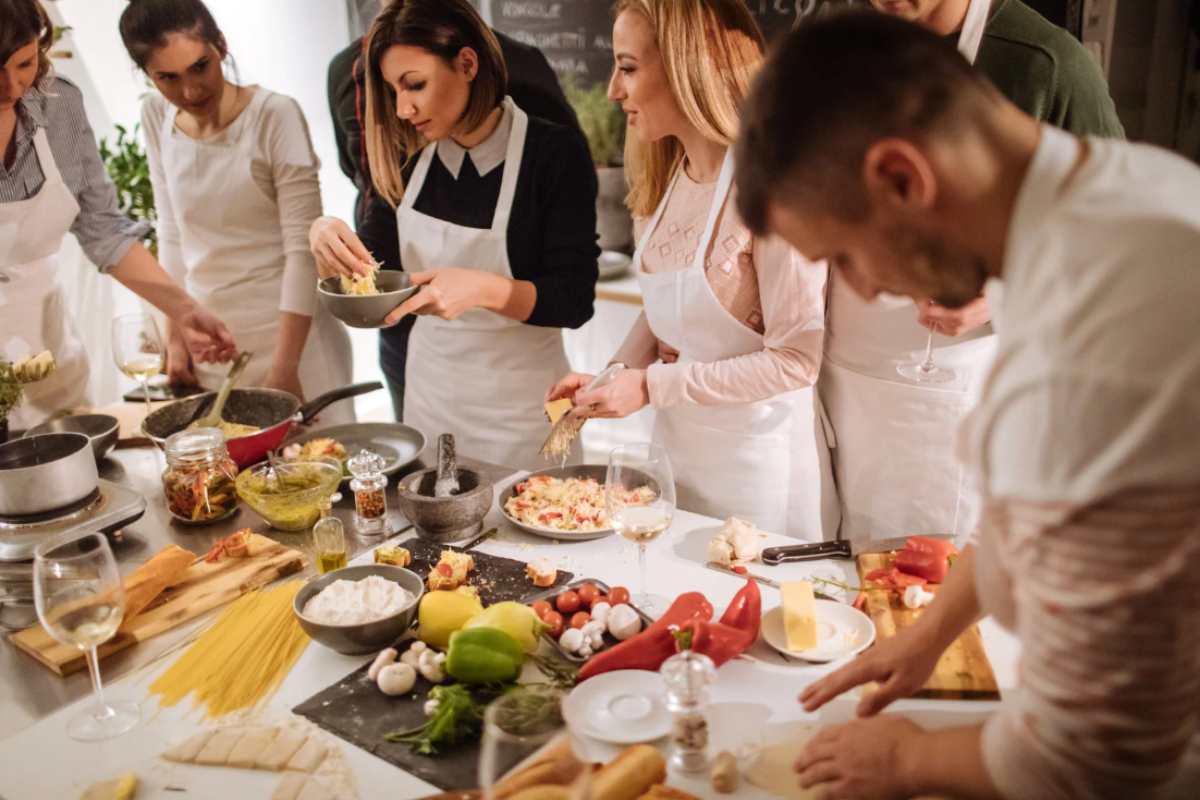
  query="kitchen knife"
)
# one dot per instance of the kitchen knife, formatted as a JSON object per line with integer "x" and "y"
{"x": 758, "y": 578}
{"x": 839, "y": 549}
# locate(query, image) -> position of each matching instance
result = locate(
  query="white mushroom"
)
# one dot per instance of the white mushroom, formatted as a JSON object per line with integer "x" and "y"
{"x": 623, "y": 621}
{"x": 413, "y": 654}
{"x": 431, "y": 665}
{"x": 384, "y": 658}
{"x": 600, "y": 613}
{"x": 395, "y": 679}
{"x": 586, "y": 651}
{"x": 571, "y": 640}
{"x": 915, "y": 597}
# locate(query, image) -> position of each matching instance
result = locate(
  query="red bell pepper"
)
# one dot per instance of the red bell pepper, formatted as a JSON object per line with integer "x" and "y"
{"x": 650, "y": 648}
{"x": 735, "y": 633}
{"x": 923, "y": 563}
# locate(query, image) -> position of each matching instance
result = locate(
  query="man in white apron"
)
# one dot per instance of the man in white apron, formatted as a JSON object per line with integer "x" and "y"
{"x": 760, "y": 461}
{"x": 481, "y": 376}
{"x": 35, "y": 316}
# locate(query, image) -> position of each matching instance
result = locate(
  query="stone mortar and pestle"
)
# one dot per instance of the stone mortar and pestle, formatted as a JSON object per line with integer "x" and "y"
{"x": 445, "y": 504}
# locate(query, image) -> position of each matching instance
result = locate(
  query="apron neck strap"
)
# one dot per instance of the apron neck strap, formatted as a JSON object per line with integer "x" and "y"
{"x": 417, "y": 179}
{"x": 724, "y": 182}
{"x": 512, "y": 165}
{"x": 974, "y": 24}
{"x": 41, "y": 145}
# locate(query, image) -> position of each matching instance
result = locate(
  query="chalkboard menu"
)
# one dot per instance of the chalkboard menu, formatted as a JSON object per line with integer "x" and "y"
{"x": 576, "y": 35}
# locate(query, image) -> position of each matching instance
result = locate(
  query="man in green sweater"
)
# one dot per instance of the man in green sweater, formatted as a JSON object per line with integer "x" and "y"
{"x": 877, "y": 385}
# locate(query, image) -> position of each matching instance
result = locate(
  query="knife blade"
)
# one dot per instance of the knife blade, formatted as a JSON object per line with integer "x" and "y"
{"x": 774, "y": 584}
{"x": 837, "y": 549}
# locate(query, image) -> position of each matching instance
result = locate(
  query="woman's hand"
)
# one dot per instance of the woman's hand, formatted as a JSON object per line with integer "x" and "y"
{"x": 568, "y": 386}
{"x": 285, "y": 379}
{"x": 954, "y": 321}
{"x": 666, "y": 353}
{"x": 180, "y": 371}
{"x": 447, "y": 293}
{"x": 206, "y": 337}
{"x": 337, "y": 249}
{"x": 862, "y": 760}
{"x": 624, "y": 395}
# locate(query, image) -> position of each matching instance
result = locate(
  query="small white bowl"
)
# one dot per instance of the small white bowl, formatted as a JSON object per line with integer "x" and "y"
{"x": 842, "y": 631}
{"x": 626, "y": 706}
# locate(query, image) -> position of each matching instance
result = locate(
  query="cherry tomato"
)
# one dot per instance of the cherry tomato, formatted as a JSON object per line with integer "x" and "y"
{"x": 587, "y": 594}
{"x": 741, "y": 570}
{"x": 541, "y": 607}
{"x": 580, "y": 618}
{"x": 618, "y": 595}
{"x": 567, "y": 602}
{"x": 601, "y": 598}
{"x": 555, "y": 621}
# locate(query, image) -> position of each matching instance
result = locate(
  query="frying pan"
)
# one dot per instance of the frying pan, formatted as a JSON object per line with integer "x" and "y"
{"x": 275, "y": 412}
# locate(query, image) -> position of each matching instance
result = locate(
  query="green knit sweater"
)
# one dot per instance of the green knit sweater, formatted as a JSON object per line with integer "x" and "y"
{"x": 1045, "y": 71}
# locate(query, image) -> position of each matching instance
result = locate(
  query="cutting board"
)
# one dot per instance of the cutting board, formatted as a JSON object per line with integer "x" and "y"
{"x": 963, "y": 672}
{"x": 205, "y": 586}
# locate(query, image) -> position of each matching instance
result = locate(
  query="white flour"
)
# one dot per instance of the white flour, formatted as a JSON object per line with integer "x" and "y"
{"x": 355, "y": 602}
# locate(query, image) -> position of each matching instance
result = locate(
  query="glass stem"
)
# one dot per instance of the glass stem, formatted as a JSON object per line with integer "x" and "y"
{"x": 642, "y": 570}
{"x": 93, "y": 659}
{"x": 928, "y": 364}
{"x": 146, "y": 393}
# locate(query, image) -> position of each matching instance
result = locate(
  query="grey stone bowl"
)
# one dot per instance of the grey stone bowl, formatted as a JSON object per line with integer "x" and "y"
{"x": 101, "y": 429}
{"x": 368, "y": 637}
{"x": 445, "y": 519}
{"x": 367, "y": 310}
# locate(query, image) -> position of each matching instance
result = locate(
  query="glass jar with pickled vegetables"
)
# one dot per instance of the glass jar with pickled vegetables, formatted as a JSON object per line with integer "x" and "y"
{"x": 199, "y": 479}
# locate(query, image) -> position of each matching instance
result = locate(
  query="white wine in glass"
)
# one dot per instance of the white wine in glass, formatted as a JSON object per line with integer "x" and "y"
{"x": 80, "y": 602}
{"x": 639, "y": 498}
{"x": 138, "y": 349}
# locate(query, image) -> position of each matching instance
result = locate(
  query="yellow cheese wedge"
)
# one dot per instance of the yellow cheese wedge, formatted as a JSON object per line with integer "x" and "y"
{"x": 556, "y": 409}
{"x": 799, "y": 615}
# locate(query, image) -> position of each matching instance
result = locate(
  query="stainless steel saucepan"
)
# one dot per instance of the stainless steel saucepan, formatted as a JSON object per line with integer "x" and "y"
{"x": 42, "y": 473}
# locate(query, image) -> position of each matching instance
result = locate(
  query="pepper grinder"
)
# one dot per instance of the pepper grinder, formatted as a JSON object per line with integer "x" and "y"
{"x": 447, "y": 467}
{"x": 688, "y": 676}
{"x": 370, "y": 493}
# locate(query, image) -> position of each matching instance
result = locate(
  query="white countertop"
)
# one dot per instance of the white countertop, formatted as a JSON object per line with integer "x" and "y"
{"x": 754, "y": 698}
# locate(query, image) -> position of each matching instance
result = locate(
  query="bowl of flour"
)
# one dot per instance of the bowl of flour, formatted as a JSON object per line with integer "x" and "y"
{"x": 361, "y": 609}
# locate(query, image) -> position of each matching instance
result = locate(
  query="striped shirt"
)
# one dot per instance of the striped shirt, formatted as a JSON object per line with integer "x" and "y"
{"x": 104, "y": 233}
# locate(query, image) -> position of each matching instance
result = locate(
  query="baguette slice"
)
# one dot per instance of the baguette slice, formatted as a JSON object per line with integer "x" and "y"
{"x": 630, "y": 774}
{"x": 216, "y": 752}
{"x": 149, "y": 580}
{"x": 186, "y": 751}
{"x": 281, "y": 751}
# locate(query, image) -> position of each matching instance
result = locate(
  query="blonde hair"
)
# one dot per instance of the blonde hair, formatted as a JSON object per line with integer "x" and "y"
{"x": 440, "y": 27}
{"x": 711, "y": 50}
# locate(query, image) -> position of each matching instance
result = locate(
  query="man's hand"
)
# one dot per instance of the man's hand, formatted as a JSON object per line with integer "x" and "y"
{"x": 862, "y": 760}
{"x": 180, "y": 371}
{"x": 206, "y": 337}
{"x": 954, "y": 321}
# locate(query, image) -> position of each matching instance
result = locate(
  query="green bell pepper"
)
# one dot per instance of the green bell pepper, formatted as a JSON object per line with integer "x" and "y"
{"x": 484, "y": 655}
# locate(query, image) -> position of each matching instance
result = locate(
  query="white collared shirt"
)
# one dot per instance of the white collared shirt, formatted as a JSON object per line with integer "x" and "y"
{"x": 486, "y": 156}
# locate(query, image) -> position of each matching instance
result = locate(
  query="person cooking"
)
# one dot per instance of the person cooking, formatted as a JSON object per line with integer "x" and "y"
{"x": 497, "y": 224}
{"x": 236, "y": 188}
{"x": 52, "y": 181}
{"x": 532, "y": 85}
{"x": 921, "y": 486}
{"x": 739, "y": 317}
{"x": 1084, "y": 437}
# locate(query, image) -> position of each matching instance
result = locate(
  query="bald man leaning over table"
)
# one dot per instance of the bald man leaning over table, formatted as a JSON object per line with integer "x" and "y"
{"x": 1084, "y": 440}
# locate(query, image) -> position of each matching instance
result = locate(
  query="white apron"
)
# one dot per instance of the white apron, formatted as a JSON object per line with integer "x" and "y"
{"x": 35, "y": 314}
{"x": 894, "y": 440}
{"x": 760, "y": 461}
{"x": 482, "y": 376}
{"x": 234, "y": 255}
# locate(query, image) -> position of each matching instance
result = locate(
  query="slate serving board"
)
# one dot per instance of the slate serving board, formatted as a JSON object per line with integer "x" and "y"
{"x": 355, "y": 710}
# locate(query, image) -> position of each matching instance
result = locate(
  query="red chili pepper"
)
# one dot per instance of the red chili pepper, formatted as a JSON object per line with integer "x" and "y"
{"x": 735, "y": 633}
{"x": 650, "y": 648}
{"x": 745, "y": 609}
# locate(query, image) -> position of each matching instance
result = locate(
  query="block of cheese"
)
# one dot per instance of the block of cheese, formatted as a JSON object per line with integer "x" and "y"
{"x": 799, "y": 615}
{"x": 557, "y": 409}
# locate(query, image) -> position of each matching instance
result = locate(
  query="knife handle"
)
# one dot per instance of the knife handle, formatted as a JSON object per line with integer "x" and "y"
{"x": 806, "y": 552}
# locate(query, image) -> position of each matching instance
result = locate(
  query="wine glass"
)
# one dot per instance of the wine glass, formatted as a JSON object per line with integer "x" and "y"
{"x": 519, "y": 724}
{"x": 925, "y": 371}
{"x": 138, "y": 349}
{"x": 81, "y": 602}
{"x": 639, "y": 496}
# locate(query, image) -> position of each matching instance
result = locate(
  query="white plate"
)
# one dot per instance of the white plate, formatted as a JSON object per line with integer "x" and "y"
{"x": 627, "y": 706}
{"x": 842, "y": 631}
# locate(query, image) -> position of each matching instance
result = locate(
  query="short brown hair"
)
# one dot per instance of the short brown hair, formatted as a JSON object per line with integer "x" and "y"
{"x": 829, "y": 90}
{"x": 21, "y": 23}
{"x": 145, "y": 25}
{"x": 440, "y": 27}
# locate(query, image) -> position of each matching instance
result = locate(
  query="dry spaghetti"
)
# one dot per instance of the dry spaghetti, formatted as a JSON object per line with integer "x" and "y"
{"x": 242, "y": 659}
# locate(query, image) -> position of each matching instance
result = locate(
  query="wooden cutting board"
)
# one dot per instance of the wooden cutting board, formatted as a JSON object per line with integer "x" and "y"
{"x": 963, "y": 672}
{"x": 204, "y": 587}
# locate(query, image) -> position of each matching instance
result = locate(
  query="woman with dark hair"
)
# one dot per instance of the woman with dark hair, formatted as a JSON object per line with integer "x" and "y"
{"x": 497, "y": 224}
{"x": 235, "y": 162}
{"x": 52, "y": 182}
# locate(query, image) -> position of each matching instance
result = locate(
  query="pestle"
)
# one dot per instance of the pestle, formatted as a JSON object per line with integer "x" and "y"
{"x": 447, "y": 467}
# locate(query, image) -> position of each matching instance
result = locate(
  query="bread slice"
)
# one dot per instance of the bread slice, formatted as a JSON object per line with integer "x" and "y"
{"x": 281, "y": 751}
{"x": 630, "y": 774}
{"x": 541, "y": 573}
{"x": 215, "y": 752}
{"x": 186, "y": 751}
{"x": 149, "y": 580}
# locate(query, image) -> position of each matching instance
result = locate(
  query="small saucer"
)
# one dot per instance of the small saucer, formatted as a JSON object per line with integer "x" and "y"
{"x": 842, "y": 631}
{"x": 623, "y": 707}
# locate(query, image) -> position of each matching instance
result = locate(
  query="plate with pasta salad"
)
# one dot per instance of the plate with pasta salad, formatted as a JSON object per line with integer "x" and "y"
{"x": 566, "y": 502}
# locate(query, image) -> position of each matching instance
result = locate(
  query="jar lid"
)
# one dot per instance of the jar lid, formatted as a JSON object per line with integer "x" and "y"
{"x": 688, "y": 675}
{"x": 196, "y": 442}
{"x": 366, "y": 464}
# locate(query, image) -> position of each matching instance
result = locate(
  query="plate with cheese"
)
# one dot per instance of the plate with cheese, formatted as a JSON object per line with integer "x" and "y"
{"x": 815, "y": 630}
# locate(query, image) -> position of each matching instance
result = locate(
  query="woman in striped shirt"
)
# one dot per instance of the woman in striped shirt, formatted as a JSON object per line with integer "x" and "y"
{"x": 52, "y": 182}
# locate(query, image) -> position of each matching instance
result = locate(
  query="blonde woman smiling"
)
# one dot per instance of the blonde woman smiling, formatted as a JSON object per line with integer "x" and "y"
{"x": 729, "y": 345}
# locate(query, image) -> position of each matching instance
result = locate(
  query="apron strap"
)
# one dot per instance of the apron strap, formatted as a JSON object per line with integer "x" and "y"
{"x": 512, "y": 166}
{"x": 41, "y": 145}
{"x": 655, "y": 217}
{"x": 974, "y": 24}
{"x": 417, "y": 179}
{"x": 724, "y": 182}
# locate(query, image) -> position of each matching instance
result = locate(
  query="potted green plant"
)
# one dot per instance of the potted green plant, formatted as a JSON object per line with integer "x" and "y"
{"x": 129, "y": 168}
{"x": 604, "y": 126}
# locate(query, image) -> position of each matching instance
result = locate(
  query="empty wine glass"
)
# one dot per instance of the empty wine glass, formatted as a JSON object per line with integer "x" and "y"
{"x": 138, "y": 349}
{"x": 639, "y": 496}
{"x": 925, "y": 371}
{"x": 519, "y": 724}
{"x": 81, "y": 602}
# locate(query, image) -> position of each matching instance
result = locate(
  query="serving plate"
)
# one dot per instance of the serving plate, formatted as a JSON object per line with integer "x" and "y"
{"x": 399, "y": 445}
{"x": 842, "y": 631}
{"x": 598, "y": 472}
{"x": 626, "y": 706}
